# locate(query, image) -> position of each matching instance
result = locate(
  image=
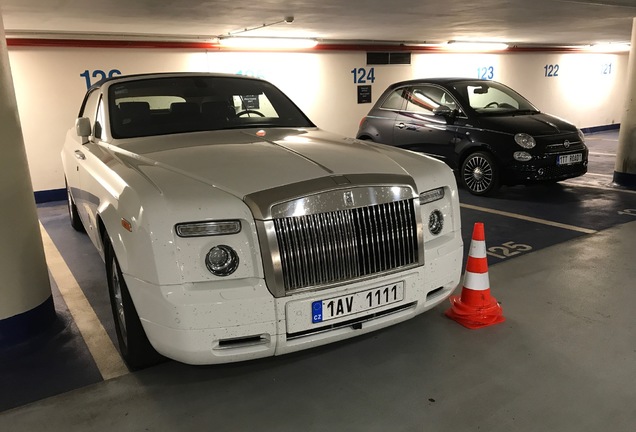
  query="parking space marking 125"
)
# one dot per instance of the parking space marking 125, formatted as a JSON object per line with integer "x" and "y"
{"x": 508, "y": 250}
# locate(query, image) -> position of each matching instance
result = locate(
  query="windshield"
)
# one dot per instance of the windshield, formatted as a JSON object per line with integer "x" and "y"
{"x": 492, "y": 98}
{"x": 160, "y": 106}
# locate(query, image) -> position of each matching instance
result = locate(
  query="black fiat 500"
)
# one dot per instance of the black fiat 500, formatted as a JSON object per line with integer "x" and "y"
{"x": 487, "y": 132}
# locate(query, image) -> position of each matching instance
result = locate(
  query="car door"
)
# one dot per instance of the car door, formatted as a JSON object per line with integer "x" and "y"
{"x": 74, "y": 156}
{"x": 89, "y": 166}
{"x": 417, "y": 127}
{"x": 382, "y": 118}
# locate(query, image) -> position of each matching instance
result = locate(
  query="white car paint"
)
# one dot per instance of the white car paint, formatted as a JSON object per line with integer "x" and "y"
{"x": 193, "y": 316}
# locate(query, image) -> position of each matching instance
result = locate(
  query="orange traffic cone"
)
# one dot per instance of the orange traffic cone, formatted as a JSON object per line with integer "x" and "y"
{"x": 475, "y": 308}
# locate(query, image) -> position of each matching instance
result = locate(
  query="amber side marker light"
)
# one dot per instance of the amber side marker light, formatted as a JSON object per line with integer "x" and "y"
{"x": 126, "y": 224}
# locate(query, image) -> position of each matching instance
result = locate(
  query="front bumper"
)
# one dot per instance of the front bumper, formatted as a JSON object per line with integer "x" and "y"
{"x": 543, "y": 168}
{"x": 206, "y": 323}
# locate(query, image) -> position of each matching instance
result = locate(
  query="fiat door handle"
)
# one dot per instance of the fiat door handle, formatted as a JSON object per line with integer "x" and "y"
{"x": 79, "y": 155}
{"x": 400, "y": 125}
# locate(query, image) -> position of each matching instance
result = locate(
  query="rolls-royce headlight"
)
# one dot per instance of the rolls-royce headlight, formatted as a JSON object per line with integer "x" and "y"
{"x": 432, "y": 195}
{"x": 221, "y": 260}
{"x": 525, "y": 140}
{"x": 522, "y": 156}
{"x": 435, "y": 222}
{"x": 211, "y": 228}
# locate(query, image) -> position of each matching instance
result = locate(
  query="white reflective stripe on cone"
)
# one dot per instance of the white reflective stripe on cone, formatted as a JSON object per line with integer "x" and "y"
{"x": 477, "y": 249}
{"x": 476, "y": 281}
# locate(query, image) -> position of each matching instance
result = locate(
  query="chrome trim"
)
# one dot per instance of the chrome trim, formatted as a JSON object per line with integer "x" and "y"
{"x": 330, "y": 244}
{"x": 333, "y": 201}
{"x": 280, "y": 201}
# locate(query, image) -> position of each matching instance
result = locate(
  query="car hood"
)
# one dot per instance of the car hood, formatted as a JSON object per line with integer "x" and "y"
{"x": 533, "y": 124}
{"x": 243, "y": 162}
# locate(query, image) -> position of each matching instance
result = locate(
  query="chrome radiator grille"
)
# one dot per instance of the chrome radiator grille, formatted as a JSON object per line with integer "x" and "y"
{"x": 325, "y": 248}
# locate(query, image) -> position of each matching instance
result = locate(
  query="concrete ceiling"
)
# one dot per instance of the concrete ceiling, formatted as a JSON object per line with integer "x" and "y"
{"x": 533, "y": 22}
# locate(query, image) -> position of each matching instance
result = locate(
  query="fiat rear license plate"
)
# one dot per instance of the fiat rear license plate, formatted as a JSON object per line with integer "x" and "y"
{"x": 570, "y": 159}
{"x": 336, "y": 307}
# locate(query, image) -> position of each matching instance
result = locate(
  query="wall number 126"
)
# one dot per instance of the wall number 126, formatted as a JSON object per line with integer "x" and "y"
{"x": 99, "y": 75}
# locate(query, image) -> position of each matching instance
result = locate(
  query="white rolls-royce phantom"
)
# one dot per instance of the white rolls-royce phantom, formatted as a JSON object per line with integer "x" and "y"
{"x": 232, "y": 228}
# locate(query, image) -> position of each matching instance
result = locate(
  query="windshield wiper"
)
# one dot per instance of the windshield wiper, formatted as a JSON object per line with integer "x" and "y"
{"x": 525, "y": 111}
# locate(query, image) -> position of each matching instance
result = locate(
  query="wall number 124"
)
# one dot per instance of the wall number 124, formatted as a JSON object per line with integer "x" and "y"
{"x": 361, "y": 75}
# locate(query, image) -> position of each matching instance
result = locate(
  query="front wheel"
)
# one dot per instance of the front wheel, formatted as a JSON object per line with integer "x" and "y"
{"x": 480, "y": 174}
{"x": 134, "y": 346}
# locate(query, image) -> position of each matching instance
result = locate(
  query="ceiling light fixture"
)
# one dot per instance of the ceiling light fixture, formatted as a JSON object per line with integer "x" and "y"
{"x": 610, "y": 47}
{"x": 475, "y": 46}
{"x": 267, "y": 43}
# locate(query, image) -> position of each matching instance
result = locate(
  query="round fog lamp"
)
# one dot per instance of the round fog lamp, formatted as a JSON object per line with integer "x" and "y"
{"x": 522, "y": 156}
{"x": 221, "y": 260}
{"x": 436, "y": 222}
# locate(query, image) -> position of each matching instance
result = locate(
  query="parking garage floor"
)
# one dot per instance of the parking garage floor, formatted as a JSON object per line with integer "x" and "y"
{"x": 561, "y": 264}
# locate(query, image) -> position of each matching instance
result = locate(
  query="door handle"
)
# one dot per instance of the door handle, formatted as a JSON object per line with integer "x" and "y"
{"x": 79, "y": 155}
{"x": 401, "y": 125}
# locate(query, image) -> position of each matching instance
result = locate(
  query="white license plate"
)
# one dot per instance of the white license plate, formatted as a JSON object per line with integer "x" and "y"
{"x": 570, "y": 159}
{"x": 336, "y": 307}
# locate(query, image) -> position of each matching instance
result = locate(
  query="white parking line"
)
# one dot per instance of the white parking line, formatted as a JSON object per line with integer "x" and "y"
{"x": 578, "y": 183}
{"x": 589, "y": 138}
{"x": 529, "y": 219}
{"x": 599, "y": 175}
{"x": 602, "y": 154}
{"x": 106, "y": 356}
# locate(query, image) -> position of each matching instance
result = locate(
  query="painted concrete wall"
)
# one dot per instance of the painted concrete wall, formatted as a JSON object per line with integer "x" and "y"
{"x": 586, "y": 89}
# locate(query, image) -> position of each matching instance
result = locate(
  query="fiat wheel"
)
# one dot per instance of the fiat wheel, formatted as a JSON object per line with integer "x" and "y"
{"x": 480, "y": 174}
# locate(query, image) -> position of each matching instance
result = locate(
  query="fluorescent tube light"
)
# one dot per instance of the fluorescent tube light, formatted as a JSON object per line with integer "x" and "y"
{"x": 610, "y": 47}
{"x": 475, "y": 46}
{"x": 267, "y": 43}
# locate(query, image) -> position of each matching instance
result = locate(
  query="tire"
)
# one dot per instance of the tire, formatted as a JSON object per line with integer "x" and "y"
{"x": 76, "y": 222}
{"x": 134, "y": 346}
{"x": 480, "y": 174}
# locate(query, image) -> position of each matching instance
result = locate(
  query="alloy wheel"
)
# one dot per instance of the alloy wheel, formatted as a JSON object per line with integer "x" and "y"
{"x": 478, "y": 174}
{"x": 119, "y": 302}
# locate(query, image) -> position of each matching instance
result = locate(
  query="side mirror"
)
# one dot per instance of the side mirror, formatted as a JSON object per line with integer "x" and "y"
{"x": 83, "y": 127}
{"x": 443, "y": 111}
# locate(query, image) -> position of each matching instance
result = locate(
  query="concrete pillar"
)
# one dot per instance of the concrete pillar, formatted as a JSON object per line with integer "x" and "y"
{"x": 26, "y": 304}
{"x": 625, "y": 168}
